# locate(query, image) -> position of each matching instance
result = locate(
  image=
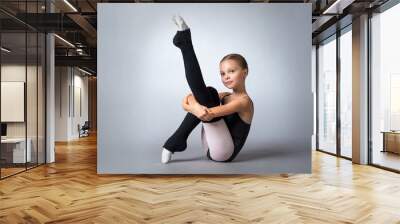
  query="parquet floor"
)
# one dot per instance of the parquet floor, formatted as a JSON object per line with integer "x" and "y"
{"x": 70, "y": 191}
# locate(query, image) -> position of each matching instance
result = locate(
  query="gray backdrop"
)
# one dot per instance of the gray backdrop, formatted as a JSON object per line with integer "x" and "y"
{"x": 141, "y": 83}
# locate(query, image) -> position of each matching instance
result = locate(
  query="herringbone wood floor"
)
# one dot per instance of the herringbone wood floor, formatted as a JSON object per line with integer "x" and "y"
{"x": 70, "y": 191}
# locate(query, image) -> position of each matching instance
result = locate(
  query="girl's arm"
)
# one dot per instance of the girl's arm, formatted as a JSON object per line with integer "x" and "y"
{"x": 189, "y": 100}
{"x": 191, "y": 105}
{"x": 233, "y": 106}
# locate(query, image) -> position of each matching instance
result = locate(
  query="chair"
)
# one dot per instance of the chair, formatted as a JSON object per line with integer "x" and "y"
{"x": 84, "y": 130}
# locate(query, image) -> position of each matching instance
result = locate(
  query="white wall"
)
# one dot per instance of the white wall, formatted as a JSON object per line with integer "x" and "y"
{"x": 78, "y": 117}
{"x": 15, "y": 72}
{"x": 61, "y": 104}
{"x": 67, "y": 116}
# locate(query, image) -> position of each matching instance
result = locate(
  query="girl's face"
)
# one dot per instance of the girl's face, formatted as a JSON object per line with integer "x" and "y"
{"x": 232, "y": 75}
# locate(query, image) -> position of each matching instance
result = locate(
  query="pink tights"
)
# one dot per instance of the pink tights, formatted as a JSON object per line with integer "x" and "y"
{"x": 216, "y": 137}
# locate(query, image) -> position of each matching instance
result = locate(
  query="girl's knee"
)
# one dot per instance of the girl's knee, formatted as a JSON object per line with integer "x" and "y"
{"x": 212, "y": 91}
{"x": 220, "y": 157}
{"x": 229, "y": 157}
{"x": 210, "y": 88}
{"x": 214, "y": 96}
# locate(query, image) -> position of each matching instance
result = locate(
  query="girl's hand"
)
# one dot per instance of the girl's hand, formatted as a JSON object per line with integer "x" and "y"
{"x": 190, "y": 105}
{"x": 202, "y": 112}
{"x": 199, "y": 111}
{"x": 189, "y": 102}
{"x": 185, "y": 103}
{"x": 207, "y": 116}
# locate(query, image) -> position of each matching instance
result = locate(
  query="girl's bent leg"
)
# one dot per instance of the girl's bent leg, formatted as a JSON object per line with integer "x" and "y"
{"x": 177, "y": 141}
{"x": 215, "y": 101}
{"x": 194, "y": 77}
{"x": 217, "y": 141}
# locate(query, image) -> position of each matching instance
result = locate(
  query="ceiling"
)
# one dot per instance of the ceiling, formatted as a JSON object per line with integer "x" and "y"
{"x": 76, "y": 22}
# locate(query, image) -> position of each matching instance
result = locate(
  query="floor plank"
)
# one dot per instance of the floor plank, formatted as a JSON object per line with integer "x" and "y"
{"x": 70, "y": 191}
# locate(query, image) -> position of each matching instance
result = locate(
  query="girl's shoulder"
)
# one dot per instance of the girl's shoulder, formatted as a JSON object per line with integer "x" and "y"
{"x": 247, "y": 98}
{"x": 223, "y": 94}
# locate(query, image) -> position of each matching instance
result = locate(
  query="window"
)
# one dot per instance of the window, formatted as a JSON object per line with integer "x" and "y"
{"x": 346, "y": 92}
{"x": 327, "y": 95}
{"x": 385, "y": 88}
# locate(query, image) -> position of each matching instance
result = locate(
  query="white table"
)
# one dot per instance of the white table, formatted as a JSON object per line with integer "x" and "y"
{"x": 19, "y": 149}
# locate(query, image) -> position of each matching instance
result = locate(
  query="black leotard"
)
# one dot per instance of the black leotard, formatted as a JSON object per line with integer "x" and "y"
{"x": 239, "y": 130}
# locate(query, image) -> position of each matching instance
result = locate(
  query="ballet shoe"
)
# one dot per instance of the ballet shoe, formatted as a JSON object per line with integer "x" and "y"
{"x": 165, "y": 155}
{"x": 179, "y": 22}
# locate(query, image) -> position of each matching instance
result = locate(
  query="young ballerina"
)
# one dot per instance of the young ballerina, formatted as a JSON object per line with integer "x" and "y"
{"x": 224, "y": 127}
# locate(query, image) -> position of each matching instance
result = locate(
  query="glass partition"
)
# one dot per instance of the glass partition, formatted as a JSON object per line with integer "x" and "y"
{"x": 327, "y": 95}
{"x": 22, "y": 88}
{"x": 32, "y": 95}
{"x": 13, "y": 94}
